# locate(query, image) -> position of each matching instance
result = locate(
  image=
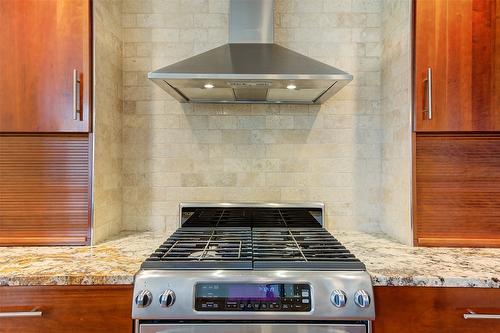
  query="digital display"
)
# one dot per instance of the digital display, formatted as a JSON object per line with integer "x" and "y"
{"x": 252, "y": 297}
{"x": 261, "y": 292}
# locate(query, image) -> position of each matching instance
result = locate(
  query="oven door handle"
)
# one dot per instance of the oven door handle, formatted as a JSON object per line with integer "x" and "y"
{"x": 253, "y": 328}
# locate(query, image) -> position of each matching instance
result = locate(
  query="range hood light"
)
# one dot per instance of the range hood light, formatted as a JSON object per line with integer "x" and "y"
{"x": 291, "y": 86}
{"x": 208, "y": 86}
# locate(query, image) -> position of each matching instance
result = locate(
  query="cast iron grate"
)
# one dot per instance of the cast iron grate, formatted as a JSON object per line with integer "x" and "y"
{"x": 300, "y": 248}
{"x": 252, "y": 217}
{"x": 204, "y": 248}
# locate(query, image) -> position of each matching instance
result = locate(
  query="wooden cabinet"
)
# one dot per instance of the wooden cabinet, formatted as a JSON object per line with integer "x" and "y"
{"x": 456, "y": 180}
{"x": 457, "y": 190}
{"x": 435, "y": 310}
{"x": 41, "y": 44}
{"x": 44, "y": 189}
{"x": 75, "y": 309}
{"x": 45, "y": 62}
{"x": 459, "y": 41}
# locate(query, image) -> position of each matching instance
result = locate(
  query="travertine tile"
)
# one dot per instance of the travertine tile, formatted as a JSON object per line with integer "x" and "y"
{"x": 216, "y": 152}
{"x": 107, "y": 176}
{"x": 396, "y": 120}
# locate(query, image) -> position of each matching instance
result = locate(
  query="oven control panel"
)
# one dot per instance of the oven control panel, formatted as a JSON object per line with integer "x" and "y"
{"x": 289, "y": 297}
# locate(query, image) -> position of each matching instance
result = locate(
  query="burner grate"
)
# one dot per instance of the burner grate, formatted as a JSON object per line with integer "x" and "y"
{"x": 204, "y": 248}
{"x": 252, "y": 217}
{"x": 300, "y": 248}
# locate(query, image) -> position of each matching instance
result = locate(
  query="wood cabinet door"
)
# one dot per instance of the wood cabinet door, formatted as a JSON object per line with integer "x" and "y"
{"x": 45, "y": 189}
{"x": 75, "y": 309}
{"x": 459, "y": 42}
{"x": 435, "y": 310}
{"x": 457, "y": 190}
{"x": 42, "y": 43}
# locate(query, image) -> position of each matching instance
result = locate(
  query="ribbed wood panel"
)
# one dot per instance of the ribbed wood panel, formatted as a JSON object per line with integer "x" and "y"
{"x": 457, "y": 190}
{"x": 44, "y": 190}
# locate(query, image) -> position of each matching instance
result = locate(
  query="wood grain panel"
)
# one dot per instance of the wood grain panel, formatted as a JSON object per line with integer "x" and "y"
{"x": 41, "y": 42}
{"x": 44, "y": 189}
{"x": 434, "y": 310}
{"x": 460, "y": 41}
{"x": 457, "y": 190}
{"x": 76, "y": 309}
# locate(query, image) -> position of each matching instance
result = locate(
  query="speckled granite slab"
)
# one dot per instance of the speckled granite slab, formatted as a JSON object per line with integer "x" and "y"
{"x": 112, "y": 262}
{"x": 393, "y": 264}
{"x": 116, "y": 261}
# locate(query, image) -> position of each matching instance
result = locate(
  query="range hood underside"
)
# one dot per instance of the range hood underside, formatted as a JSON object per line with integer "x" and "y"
{"x": 264, "y": 91}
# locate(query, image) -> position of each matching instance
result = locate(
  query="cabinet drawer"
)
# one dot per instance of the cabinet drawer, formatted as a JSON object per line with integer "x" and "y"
{"x": 435, "y": 310}
{"x": 75, "y": 309}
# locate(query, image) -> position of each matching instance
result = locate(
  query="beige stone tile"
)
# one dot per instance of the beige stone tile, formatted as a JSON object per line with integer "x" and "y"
{"x": 236, "y": 136}
{"x": 279, "y": 122}
{"x": 247, "y": 179}
{"x": 184, "y": 152}
{"x": 338, "y": 6}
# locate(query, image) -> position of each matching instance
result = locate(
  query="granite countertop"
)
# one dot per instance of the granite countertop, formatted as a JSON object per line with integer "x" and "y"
{"x": 117, "y": 260}
{"x": 393, "y": 264}
{"x": 113, "y": 262}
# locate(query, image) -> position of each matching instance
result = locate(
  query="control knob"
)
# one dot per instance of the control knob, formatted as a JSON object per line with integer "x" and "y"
{"x": 167, "y": 299}
{"x": 143, "y": 299}
{"x": 362, "y": 299}
{"x": 338, "y": 298}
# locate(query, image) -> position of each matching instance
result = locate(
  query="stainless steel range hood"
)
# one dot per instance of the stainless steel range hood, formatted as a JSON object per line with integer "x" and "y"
{"x": 251, "y": 68}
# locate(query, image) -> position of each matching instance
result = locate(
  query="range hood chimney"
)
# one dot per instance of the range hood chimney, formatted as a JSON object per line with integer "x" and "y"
{"x": 251, "y": 68}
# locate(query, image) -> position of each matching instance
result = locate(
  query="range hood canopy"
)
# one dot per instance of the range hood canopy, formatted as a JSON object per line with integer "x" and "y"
{"x": 251, "y": 69}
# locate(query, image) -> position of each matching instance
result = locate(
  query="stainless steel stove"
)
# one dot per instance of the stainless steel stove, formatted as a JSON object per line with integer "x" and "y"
{"x": 252, "y": 268}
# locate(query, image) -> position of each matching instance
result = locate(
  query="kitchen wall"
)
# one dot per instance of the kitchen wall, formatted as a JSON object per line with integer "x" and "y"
{"x": 108, "y": 101}
{"x": 396, "y": 120}
{"x": 179, "y": 152}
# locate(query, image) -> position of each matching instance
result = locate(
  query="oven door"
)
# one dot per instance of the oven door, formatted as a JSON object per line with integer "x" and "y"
{"x": 252, "y": 328}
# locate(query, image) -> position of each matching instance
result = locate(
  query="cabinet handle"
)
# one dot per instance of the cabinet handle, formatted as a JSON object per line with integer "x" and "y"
{"x": 481, "y": 316}
{"x": 76, "y": 94}
{"x": 428, "y": 85}
{"x": 20, "y": 314}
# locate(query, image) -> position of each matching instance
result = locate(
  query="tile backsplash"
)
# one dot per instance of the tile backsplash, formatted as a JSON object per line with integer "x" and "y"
{"x": 396, "y": 120}
{"x": 181, "y": 152}
{"x": 108, "y": 105}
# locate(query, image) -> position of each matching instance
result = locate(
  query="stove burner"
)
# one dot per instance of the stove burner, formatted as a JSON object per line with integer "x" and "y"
{"x": 204, "y": 248}
{"x": 260, "y": 248}
{"x": 300, "y": 248}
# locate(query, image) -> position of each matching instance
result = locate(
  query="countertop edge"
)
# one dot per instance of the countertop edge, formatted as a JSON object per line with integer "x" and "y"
{"x": 378, "y": 280}
{"x": 416, "y": 281}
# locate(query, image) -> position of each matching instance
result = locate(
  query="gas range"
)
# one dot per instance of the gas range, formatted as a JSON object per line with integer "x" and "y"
{"x": 252, "y": 268}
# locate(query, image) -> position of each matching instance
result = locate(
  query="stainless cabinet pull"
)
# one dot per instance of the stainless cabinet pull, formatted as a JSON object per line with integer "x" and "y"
{"x": 20, "y": 314}
{"x": 76, "y": 94}
{"x": 428, "y": 81}
{"x": 481, "y": 316}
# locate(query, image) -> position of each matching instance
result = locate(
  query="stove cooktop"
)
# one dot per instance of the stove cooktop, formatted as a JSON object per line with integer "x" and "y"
{"x": 252, "y": 238}
{"x": 233, "y": 262}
